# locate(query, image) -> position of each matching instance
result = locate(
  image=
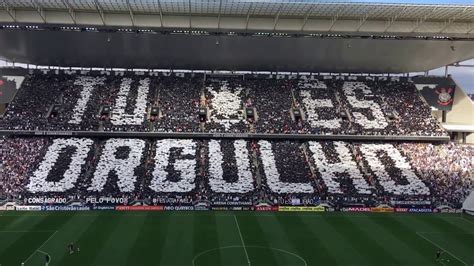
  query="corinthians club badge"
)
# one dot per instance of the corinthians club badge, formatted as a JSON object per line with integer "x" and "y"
{"x": 444, "y": 96}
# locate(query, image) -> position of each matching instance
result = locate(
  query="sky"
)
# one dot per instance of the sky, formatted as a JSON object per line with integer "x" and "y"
{"x": 464, "y": 76}
{"x": 438, "y": 2}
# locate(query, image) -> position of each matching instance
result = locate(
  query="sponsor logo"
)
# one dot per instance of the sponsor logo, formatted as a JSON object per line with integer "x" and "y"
{"x": 106, "y": 200}
{"x": 222, "y": 208}
{"x": 420, "y": 210}
{"x": 65, "y": 208}
{"x": 232, "y": 203}
{"x": 410, "y": 202}
{"x": 103, "y": 208}
{"x": 382, "y": 209}
{"x": 266, "y": 208}
{"x": 28, "y": 208}
{"x": 179, "y": 208}
{"x": 301, "y": 209}
{"x": 139, "y": 208}
{"x": 356, "y": 209}
{"x": 167, "y": 201}
{"x": 46, "y": 200}
{"x": 401, "y": 209}
{"x": 202, "y": 205}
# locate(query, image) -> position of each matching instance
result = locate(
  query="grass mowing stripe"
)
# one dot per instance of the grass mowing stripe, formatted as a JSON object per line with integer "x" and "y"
{"x": 91, "y": 241}
{"x": 305, "y": 238}
{"x": 214, "y": 241}
{"x": 460, "y": 223}
{"x": 225, "y": 238}
{"x": 9, "y": 222}
{"x": 26, "y": 243}
{"x": 438, "y": 246}
{"x": 364, "y": 242}
{"x": 151, "y": 233}
{"x": 205, "y": 237}
{"x": 173, "y": 238}
{"x": 73, "y": 231}
{"x": 179, "y": 237}
{"x": 407, "y": 232}
{"x": 401, "y": 238}
{"x": 332, "y": 240}
{"x": 119, "y": 242}
{"x": 468, "y": 218}
{"x": 282, "y": 246}
{"x": 424, "y": 223}
{"x": 256, "y": 235}
{"x": 442, "y": 224}
{"x": 390, "y": 243}
{"x": 242, "y": 239}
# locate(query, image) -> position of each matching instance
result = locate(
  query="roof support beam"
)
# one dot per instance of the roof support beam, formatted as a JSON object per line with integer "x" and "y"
{"x": 11, "y": 12}
{"x": 219, "y": 15}
{"x": 70, "y": 10}
{"x": 161, "y": 13}
{"x": 451, "y": 20}
{"x": 277, "y": 17}
{"x": 40, "y": 10}
{"x": 422, "y": 20}
{"x": 130, "y": 11}
{"x": 394, "y": 18}
{"x": 334, "y": 19}
{"x": 190, "y": 23}
{"x": 362, "y": 21}
{"x": 471, "y": 29}
{"x": 101, "y": 12}
{"x": 306, "y": 17}
{"x": 333, "y": 22}
{"x": 248, "y": 16}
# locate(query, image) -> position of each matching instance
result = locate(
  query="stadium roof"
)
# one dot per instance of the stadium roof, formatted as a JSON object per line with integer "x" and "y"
{"x": 254, "y": 35}
{"x": 448, "y": 17}
{"x": 283, "y": 8}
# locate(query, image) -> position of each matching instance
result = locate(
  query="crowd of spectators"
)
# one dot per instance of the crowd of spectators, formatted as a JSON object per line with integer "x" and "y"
{"x": 282, "y": 172}
{"x": 33, "y": 103}
{"x": 273, "y": 101}
{"x": 18, "y": 158}
{"x": 449, "y": 168}
{"x": 179, "y": 101}
{"x": 75, "y": 102}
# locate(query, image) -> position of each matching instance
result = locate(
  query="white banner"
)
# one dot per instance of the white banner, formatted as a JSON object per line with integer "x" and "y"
{"x": 28, "y": 208}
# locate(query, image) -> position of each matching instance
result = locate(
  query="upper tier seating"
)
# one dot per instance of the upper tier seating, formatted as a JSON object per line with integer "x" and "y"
{"x": 333, "y": 106}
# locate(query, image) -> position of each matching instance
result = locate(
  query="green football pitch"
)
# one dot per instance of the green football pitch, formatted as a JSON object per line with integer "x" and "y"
{"x": 234, "y": 238}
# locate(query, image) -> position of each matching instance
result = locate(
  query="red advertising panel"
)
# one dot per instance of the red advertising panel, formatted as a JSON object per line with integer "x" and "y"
{"x": 139, "y": 208}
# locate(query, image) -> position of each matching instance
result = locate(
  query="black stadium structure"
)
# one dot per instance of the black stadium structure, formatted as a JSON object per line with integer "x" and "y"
{"x": 234, "y": 104}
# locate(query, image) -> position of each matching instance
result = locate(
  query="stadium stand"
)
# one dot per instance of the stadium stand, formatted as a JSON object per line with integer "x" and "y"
{"x": 282, "y": 172}
{"x": 124, "y": 104}
{"x": 313, "y": 127}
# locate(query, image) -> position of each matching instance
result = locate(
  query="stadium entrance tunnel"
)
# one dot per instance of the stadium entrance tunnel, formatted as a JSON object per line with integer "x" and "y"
{"x": 257, "y": 256}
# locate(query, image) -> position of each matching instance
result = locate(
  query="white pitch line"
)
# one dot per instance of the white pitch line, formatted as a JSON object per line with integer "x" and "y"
{"x": 242, "y": 239}
{"x": 45, "y": 253}
{"x": 42, "y": 245}
{"x": 438, "y": 246}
